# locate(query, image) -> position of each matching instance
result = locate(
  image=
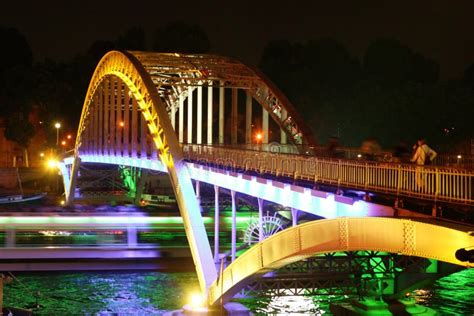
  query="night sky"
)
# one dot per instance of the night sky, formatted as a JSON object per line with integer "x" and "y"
{"x": 441, "y": 30}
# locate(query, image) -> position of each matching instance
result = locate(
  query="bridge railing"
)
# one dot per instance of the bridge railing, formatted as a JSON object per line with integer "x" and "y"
{"x": 430, "y": 182}
{"x": 351, "y": 153}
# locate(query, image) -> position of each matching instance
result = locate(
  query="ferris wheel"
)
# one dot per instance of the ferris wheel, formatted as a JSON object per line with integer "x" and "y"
{"x": 271, "y": 224}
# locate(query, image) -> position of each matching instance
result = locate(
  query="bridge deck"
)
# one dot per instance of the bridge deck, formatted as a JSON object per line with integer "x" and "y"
{"x": 449, "y": 185}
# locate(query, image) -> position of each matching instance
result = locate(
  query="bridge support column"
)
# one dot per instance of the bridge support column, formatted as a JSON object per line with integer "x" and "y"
{"x": 234, "y": 116}
{"x": 234, "y": 226}
{"x": 143, "y": 140}
{"x": 209, "y": 114}
{"x": 221, "y": 113}
{"x": 113, "y": 122}
{"x": 283, "y": 139}
{"x": 95, "y": 124}
{"x": 294, "y": 217}
{"x": 198, "y": 193}
{"x": 181, "y": 118}
{"x": 69, "y": 189}
{"x": 105, "y": 146}
{"x": 189, "y": 139}
{"x": 216, "y": 224}
{"x": 173, "y": 116}
{"x": 126, "y": 122}
{"x": 265, "y": 126}
{"x": 248, "y": 119}
{"x": 134, "y": 123}
{"x": 260, "y": 219}
{"x": 199, "y": 115}
{"x": 100, "y": 141}
{"x": 118, "y": 116}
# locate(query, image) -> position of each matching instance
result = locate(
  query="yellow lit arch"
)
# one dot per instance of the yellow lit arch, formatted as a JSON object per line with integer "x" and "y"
{"x": 126, "y": 67}
{"x": 401, "y": 236}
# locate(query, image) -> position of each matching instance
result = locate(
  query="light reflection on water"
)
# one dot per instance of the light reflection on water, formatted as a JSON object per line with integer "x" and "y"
{"x": 152, "y": 293}
{"x": 297, "y": 305}
{"x": 91, "y": 293}
{"x": 451, "y": 295}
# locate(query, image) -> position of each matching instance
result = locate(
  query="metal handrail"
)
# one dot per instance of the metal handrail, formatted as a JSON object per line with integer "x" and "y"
{"x": 427, "y": 182}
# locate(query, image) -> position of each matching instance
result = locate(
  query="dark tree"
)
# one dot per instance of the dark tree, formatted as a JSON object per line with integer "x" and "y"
{"x": 390, "y": 63}
{"x": 19, "y": 129}
{"x": 99, "y": 48}
{"x": 330, "y": 63}
{"x": 15, "y": 49}
{"x": 181, "y": 37}
{"x": 469, "y": 74}
{"x": 133, "y": 39}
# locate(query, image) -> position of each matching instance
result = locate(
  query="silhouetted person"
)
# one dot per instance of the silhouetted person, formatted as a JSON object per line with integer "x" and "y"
{"x": 401, "y": 152}
{"x": 333, "y": 144}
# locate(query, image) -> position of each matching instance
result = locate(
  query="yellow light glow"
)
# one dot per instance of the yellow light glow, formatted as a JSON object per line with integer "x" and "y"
{"x": 122, "y": 124}
{"x": 57, "y": 125}
{"x": 63, "y": 143}
{"x": 62, "y": 202}
{"x": 259, "y": 136}
{"x": 41, "y": 155}
{"x": 359, "y": 155}
{"x": 52, "y": 163}
{"x": 459, "y": 156}
{"x": 69, "y": 136}
{"x": 196, "y": 300}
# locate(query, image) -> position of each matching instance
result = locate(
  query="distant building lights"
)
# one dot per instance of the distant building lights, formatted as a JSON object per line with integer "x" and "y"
{"x": 122, "y": 124}
{"x": 69, "y": 136}
{"x": 63, "y": 143}
{"x": 459, "y": 156}
{"x": 359, "y": 156}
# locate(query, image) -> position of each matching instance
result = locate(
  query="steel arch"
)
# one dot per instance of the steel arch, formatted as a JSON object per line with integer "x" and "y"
{"x": 128, "y": 68}
{"x": 172, "y": 73}
{"x": 406, "y": 237}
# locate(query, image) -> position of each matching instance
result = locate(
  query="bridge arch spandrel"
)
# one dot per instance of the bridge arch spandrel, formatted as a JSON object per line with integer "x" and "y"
{"x": 133, "y": 76}
{"x": 400, "y": 236}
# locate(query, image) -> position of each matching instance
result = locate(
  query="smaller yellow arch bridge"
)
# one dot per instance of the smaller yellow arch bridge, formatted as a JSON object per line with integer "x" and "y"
{"x": 406, "y": 237}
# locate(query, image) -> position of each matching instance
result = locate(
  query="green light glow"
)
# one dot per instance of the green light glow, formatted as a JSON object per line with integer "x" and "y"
{"x": 126, "y": 173}
{"x": 72, "y": 220}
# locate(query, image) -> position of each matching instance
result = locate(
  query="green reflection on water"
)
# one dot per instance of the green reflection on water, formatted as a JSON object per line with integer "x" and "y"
{"x": 152, "y": 293}
{"x": 451, "y": 295}
{"x": 140, "y": 293}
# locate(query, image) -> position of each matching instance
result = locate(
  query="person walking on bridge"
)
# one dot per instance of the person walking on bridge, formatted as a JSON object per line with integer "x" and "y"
{"x": 423, "y": 156}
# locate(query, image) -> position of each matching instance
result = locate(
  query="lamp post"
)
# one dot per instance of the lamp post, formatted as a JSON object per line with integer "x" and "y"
{"x": 58, "y": 126}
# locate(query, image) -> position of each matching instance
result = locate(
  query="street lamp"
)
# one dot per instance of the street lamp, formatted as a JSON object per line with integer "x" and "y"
{"x": 58, "y": 126}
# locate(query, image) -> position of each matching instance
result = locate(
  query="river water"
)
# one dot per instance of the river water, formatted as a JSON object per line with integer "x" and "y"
{"x": 153, "y": 293}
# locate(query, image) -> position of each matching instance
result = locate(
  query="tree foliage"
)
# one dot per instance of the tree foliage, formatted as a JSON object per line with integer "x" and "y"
{"x": 394, "y": 94}
{"x": 19, "y": 130}
{"x": 181, "y": 37}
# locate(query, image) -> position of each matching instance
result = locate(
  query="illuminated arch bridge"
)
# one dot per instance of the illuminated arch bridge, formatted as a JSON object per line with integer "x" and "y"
{"x": 146, "y": 110}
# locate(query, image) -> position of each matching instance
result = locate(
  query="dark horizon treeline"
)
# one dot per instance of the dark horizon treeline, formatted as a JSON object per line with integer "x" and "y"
{"x": 391, "y": 93}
